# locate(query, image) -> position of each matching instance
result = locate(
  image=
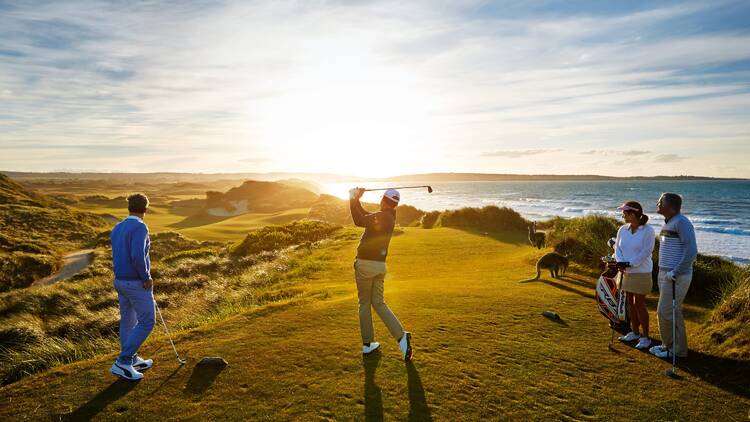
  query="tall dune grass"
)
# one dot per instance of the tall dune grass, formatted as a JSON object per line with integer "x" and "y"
{"x": 194, "y": 283}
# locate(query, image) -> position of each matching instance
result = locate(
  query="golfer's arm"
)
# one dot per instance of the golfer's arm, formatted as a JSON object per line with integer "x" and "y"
{"x": 618, "y": 252}
{"x": 647, "y": 248}
{"x": 687, "y": 235}
{"x": 138, "y": 253}
{"x": 359, "y": 215}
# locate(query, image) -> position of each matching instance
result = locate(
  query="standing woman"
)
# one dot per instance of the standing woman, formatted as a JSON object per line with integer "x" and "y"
{"x": 635, "y": 245}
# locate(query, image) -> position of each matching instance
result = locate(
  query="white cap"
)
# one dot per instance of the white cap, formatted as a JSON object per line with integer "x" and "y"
{"x": 393, "y": 195}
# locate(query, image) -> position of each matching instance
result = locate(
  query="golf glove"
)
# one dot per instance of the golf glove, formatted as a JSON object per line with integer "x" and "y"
{"x": 356, "y": 193}
{"x": 671, "y": 276}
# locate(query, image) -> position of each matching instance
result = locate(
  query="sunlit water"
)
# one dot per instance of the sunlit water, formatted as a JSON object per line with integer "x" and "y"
{"x": 718, "y": 209}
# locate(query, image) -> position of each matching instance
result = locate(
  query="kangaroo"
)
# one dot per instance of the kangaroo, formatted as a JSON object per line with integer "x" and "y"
{"x": 536, "y": 239}
{"x": 556, "y": 264}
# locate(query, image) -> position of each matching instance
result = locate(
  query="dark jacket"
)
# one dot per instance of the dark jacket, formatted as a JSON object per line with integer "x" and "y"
{"x": 378, "y": 226}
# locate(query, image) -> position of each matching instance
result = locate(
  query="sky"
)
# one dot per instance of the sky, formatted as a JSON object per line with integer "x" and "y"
{"x": 376, "y": 88}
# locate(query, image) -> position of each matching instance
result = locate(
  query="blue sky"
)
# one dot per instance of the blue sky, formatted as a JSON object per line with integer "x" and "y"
{"x": 376, "y": 88}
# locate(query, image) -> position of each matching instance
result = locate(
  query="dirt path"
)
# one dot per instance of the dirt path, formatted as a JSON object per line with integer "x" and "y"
{"x": 73, "y": 263}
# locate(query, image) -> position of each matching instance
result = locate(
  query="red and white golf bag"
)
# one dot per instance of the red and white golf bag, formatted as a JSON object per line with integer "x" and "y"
{"x": 610, "y": 299}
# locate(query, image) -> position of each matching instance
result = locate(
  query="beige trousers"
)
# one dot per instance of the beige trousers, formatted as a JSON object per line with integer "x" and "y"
{"x": 664, "y": 312}
{"x": 370, "y": 276}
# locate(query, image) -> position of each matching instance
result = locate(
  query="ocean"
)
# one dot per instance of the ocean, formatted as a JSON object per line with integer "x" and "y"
{"x": 719, "y": 210}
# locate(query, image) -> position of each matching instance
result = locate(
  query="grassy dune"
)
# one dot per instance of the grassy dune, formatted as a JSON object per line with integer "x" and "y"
{"x": 482, "y": 351}
{"x": 235, "y": 228}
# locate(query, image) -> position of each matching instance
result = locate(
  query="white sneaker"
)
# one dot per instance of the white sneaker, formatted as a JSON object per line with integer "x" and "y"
{"x": 126, "y": 371}
{"x": 663, "y": 353}
{"x": 140, "y": 364}
{"x": 631, "y": 336}
{"x": 643, "y": 343}
{"x": 371, "y": 348}
{"x": 405, "y": 345}
{"x": 657, "y": 349}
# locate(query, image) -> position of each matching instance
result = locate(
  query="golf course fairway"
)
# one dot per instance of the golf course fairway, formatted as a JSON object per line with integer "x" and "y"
{"x": 483, "y": 351}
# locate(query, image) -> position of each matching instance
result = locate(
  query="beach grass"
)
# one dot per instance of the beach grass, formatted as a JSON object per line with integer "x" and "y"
{"x": 483, "y": 351}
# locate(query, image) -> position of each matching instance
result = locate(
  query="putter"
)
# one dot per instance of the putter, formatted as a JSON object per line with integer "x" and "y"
{"x": 671, "y": 373}
{"x": 429, "y": 188}
{"x": 179, "y": 359}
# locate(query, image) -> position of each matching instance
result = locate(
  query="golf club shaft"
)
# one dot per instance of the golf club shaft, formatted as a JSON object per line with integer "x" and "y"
{"x": 167, "y": 330}
{"x": 674, "y": 326}
{"x": 397, "y": 187}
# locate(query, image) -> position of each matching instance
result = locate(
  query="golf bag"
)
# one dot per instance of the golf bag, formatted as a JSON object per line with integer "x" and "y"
{"x": 610, "y": 299}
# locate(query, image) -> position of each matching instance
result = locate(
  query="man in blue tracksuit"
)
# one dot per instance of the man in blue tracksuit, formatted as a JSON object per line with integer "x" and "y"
{"x": 132, "y": 268}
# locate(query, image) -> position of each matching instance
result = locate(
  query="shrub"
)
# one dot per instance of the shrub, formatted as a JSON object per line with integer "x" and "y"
{"x": 429, "y": 219}
{"x": 336, "y": 211}
{"x": 192, "y": 254}
{"x": 20, "y": 269}
{"x": 711, "y": 274}
{"x": 406, "y": 215}
{"x": 489, "y": 218}
{"x": 270, "y": 238}
{"x": 583, "y": 239}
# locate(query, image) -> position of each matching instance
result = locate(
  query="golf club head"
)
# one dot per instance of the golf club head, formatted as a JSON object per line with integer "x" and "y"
{"x": 672, "y": 374}
{"x": 429, "y": 189}
{"x": 181, "y": 361}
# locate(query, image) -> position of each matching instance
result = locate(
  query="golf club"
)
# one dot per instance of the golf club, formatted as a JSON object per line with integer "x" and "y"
{"x": 179, "y": 359}
{"x": 671, "y": 373}
{"x": 429, "y": 188}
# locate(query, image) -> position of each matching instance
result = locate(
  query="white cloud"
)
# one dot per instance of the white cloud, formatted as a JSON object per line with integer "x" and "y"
{"x": 313, "y": 87}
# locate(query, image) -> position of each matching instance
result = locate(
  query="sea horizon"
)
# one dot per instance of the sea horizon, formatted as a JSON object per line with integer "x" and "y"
{"x": 720, "y": 229}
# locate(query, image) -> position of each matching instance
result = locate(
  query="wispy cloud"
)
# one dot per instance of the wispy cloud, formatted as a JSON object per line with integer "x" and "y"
{"x": 194, "y": 85}
{"x": 632, "y": 152}
{"x": 518, "y": 153}
{"x": 669, "y": 158}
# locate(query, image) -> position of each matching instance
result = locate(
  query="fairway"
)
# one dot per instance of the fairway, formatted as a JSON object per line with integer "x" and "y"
{"x": 482, "y": 352}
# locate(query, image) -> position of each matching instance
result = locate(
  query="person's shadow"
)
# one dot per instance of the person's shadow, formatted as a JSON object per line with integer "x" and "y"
{"x": 418, "y": 408}
{"x": 112, "y": 393}
{"x": 373, "y": 396}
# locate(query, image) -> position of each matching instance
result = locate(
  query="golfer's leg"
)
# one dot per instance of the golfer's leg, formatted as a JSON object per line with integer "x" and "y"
{"x": 681, "y": 289}
{"x": 642, "y": 311}
{"x": 127, "y": 318}
{"x": 385, "y": 313}
{"x": 633, "y": 312}
{"x": 664, "y": 309}
{"x": 364, "y": 295}
{"x": 143, "y": 302}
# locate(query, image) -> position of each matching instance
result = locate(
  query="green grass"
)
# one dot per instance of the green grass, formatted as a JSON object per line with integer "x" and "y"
{"x": 235, "y": 228}
{"x": 482, "y": 351}
{"x": 196, "y": 282}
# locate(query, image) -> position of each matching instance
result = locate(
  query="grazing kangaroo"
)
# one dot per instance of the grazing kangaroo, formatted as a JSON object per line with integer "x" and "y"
{"x": 554, "y": 262}
{"x": 536, "y": 239}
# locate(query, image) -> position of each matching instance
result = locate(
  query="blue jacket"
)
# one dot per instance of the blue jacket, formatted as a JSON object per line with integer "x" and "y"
{"x": 130, "y": 246}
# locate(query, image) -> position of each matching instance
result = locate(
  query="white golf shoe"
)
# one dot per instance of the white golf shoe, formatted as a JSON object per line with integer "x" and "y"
{"x": 657, "y": 349}
{"x": 643, "y": 343}
{"x": 126, "y": 371}
{"x": 140, "y": 364}
{"x": 631, "y": 336}
{"x": 366, "y": 350}
{"x": 405, "y": 345}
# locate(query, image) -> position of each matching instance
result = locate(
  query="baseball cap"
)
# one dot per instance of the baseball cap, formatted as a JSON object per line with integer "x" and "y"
{"x": 393, "y": 195}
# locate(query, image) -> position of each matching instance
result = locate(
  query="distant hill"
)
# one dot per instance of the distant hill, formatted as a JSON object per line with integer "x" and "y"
{"x": 34, "y": 231}
{"x": 195, "y": 179}
{"x": 251, "y": 196}
{"x": 477, "y": 177}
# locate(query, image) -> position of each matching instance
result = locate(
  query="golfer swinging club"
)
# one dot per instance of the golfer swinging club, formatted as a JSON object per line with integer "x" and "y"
{"x": 132, "y": 268}
{"x": 369, "y": 269}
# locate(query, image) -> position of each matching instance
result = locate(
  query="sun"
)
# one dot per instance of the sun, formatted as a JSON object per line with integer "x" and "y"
{"x": 345, "y": 111}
